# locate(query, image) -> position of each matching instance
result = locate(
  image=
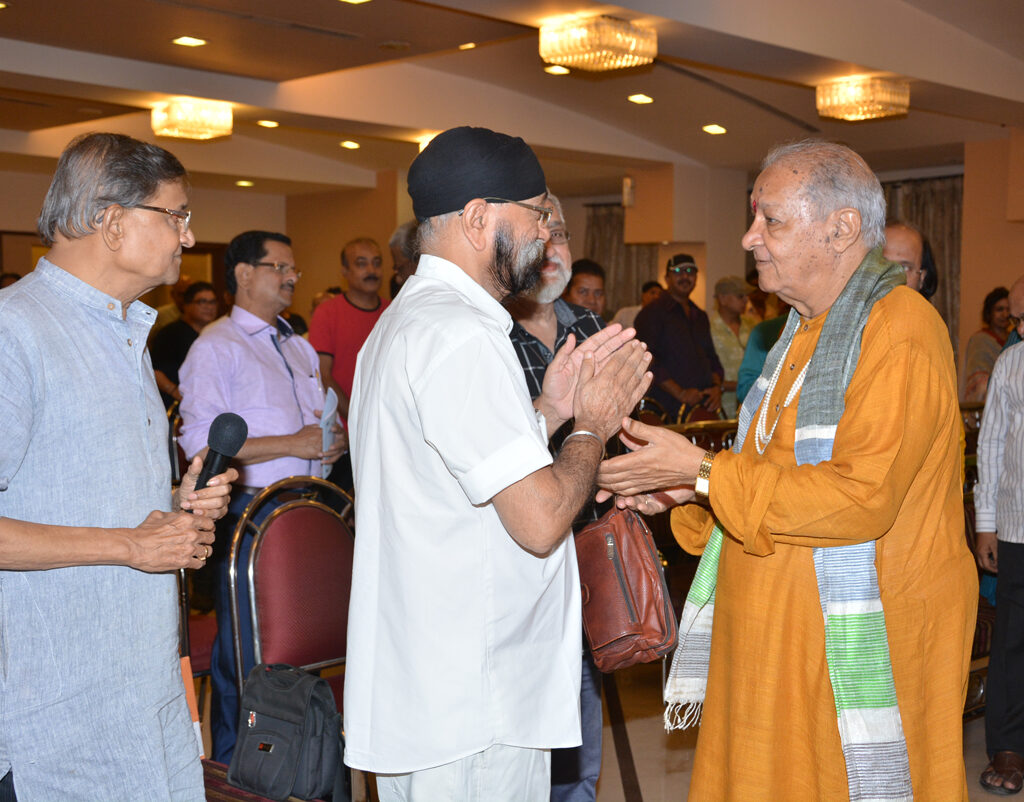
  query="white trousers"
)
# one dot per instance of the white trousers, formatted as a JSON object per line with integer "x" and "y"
{"x": 498, "y": 774}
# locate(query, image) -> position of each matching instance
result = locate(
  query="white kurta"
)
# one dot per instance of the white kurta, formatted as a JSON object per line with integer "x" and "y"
{"x": 458, "y": 638}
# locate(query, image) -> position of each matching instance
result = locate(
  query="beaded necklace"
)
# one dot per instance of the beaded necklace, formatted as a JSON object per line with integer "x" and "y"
{"x": 762, "y": 439}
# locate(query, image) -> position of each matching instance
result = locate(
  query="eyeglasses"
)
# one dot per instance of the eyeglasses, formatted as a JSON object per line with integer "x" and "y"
{"x": 181, "y": 219}
{"x": 690, "y": 270}
{"x": 281, "y": 268}
{"x": 545, "y": 214}
{"x": 558, "y": 236}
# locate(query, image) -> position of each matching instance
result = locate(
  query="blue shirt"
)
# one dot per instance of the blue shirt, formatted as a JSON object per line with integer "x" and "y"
{"x": 92, "y": 702}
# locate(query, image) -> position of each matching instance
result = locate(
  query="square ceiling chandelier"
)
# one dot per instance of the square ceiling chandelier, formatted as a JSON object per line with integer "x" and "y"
{"x": 862, "y": 98}
{"x": 597, "y": 44}
{"x": 192, "y": 118}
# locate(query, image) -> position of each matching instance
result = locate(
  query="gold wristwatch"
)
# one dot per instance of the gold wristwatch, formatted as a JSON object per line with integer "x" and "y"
{"x": 702, "y": 487}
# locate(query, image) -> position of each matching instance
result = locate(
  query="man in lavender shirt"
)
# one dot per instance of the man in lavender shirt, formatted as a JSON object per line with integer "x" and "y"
{"x": 253, "y": 364}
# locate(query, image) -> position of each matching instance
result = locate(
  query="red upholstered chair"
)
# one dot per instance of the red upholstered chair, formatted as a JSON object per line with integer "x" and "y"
{"x": 299, "y": 575}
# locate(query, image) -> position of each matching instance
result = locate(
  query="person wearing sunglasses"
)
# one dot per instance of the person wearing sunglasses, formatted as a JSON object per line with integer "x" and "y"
{"x": 687, "y": 371}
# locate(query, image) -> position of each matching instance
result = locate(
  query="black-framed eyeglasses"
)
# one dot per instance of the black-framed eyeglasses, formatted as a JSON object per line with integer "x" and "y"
{"x": 558, "y": 236}
{"x": 281, "y": 268}
{"x": 545, "y": 214}
{"x": 690, "y": 270}
{"x": 182, "y": 219}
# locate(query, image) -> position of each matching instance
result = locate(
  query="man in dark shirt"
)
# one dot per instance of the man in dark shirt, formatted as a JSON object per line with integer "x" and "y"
{"x": 687, "y": 372}
{"x": 171, "y": 343}
{"x": 543, "y": 322}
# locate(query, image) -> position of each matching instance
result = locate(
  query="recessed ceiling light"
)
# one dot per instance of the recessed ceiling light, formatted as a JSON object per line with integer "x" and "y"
{"x": 244, "y": 183}
{"x": 556, "y": 69}
{"x": 189, "y": 41}
{"x": 713, "y": 128}
{"x": 467, "y": 45}
{"x": 355, "y": 2}
{"x": 268, "y": 123}
{"x": 348, "y": 144}
{"x": 3, "y": 6}
{"x": 640, "y": 98}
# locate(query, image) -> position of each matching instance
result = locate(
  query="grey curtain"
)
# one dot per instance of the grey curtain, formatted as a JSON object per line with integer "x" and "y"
{"x": 627, "y": 267}
{"x": 935, "y": 205}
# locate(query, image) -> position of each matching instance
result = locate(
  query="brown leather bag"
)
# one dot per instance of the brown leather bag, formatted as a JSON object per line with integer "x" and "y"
{"x": 627, "y": 614}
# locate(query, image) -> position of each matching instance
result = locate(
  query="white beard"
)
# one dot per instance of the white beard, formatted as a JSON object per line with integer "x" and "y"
{"x": 547, "y": 291}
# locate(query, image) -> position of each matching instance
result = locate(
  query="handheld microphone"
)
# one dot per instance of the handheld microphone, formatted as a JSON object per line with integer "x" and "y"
{"x": 227, "y": 435}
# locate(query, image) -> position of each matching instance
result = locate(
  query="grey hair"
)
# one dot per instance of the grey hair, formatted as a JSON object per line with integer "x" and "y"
{"x": 554, "y": 201}
{"x": 431, "y": 228}
{"x": 99, "y": 170}
{"x": 404, "y": 238}
{"x": 839, "y": 178}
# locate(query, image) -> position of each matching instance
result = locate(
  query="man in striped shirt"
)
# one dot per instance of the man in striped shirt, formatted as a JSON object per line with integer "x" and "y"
{"x": 999, "y": 519}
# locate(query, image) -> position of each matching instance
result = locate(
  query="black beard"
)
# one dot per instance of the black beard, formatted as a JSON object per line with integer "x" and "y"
{"x": 515, "y": 269}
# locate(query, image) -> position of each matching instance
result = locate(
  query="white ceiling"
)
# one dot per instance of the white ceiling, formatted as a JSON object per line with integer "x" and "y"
{"x": 387, "y": 71}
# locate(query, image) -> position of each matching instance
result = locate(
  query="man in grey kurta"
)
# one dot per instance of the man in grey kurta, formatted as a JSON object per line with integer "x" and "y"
{"x": 91, "y": 694}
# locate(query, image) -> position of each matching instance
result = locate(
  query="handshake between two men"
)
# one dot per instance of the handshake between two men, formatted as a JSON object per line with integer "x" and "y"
{"x": 597, "y": 384}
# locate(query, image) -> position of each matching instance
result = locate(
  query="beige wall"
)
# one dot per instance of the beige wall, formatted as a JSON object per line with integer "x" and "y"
{"x": 992, "y": 244}
{"x": 319, "y": 224}
{"x": 21, "y": 199}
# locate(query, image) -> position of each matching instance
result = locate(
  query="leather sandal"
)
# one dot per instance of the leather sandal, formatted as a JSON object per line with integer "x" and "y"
{"x": 1007, "y": 767}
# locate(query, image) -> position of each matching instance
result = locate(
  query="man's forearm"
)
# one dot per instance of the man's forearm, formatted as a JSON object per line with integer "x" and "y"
{"x": 538, "y": 510}
{"x": 264, "y": 449}
{"x": 26, "y": 546}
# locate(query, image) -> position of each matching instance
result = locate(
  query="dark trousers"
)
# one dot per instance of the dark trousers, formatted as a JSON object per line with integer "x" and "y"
{"x": 1004, "y": 692}
{"x": 574, "y": 771}
{"x": 7, "y": 788}
{"x": 224, "y": 695}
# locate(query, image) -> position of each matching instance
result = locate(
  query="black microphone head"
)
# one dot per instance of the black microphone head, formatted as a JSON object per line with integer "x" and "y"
{"x": 227, "y": 434}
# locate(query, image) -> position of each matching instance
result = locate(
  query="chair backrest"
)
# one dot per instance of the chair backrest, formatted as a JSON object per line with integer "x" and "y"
{"x": 715, "y": 435}
{"x": 299, "y": 575}
{"x": 698, "y": 414}
{"x": 299, "y": 579}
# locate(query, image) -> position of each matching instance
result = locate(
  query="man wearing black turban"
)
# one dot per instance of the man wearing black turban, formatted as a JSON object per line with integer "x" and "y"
{"x": 463, "y": 663}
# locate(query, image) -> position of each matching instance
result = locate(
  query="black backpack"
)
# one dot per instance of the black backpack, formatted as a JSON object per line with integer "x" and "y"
{"x": 289, "y": 736}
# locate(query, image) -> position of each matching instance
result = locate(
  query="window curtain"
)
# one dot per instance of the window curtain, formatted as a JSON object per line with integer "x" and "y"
{"x": 626, "y": 267}
{"x": 935, "y": 205}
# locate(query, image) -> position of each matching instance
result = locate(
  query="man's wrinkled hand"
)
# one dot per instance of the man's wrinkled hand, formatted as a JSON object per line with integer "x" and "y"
{"x": 603, "y": 398}
{"x": 660, "y": 459}
{"x": 166, "y": 541}
{"x": 562, "y": 375}
{"x": 650, "y": 503}
{"x": 210, "y": 502}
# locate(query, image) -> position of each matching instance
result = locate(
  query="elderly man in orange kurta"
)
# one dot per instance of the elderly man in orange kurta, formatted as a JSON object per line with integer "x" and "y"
{"x": 827, "y": 634}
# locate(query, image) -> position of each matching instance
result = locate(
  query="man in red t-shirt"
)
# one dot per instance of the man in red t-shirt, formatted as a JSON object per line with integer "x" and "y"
{"x": 341, "y": 325}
